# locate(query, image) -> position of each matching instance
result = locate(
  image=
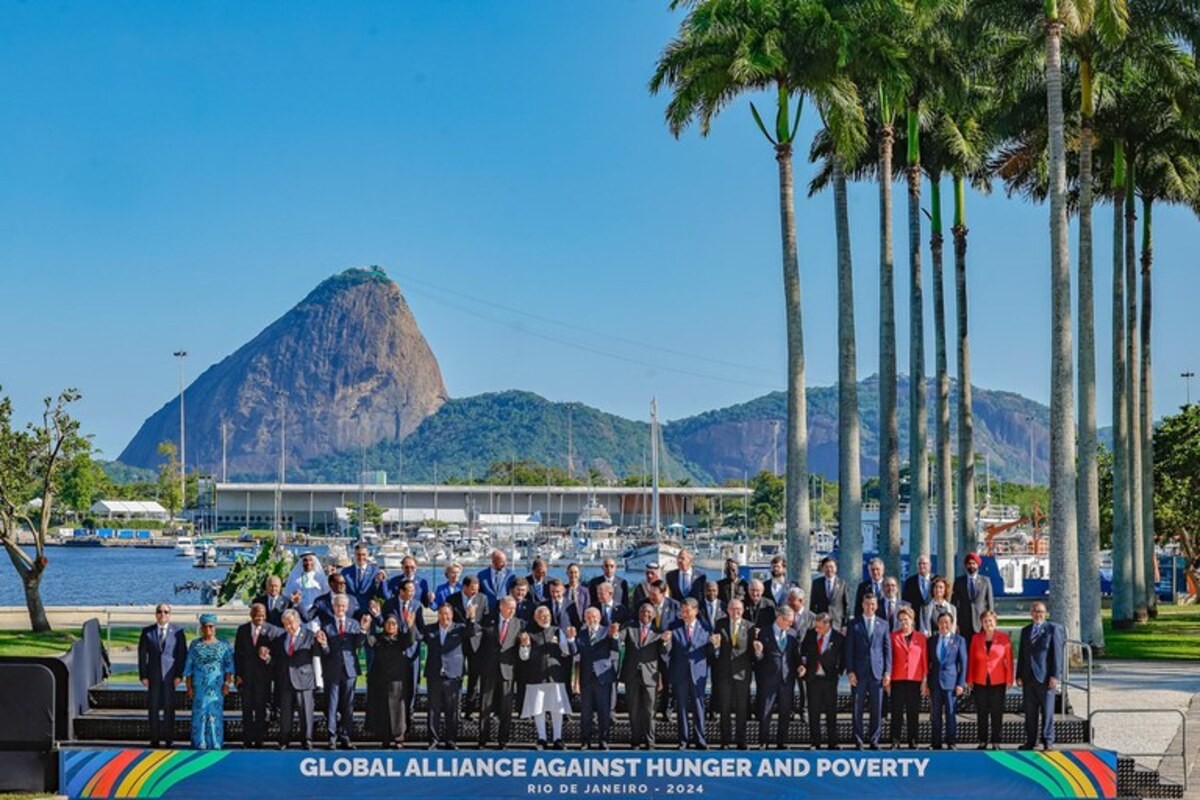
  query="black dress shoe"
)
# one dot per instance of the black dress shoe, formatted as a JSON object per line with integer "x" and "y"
{"x": 154, "y": 745}
{"x": 873, "y": 747}
{"x": 913, "y": 746}
{"x": 541, "y": 744}
{"x": 346, "y": 745}
{"x": 306, "y": 746}
{"x": 432, "y": 746}
{"x": 981, "y": 746}
{"x": 603, "y": 745}
{"x": 994, "y": 746}
{"x": 1047, "y": 746}
{"x": 951, "y": 746}
{"x": 452, "y": 745}
{"x": 1026, "y": 746}
{"x": 558, "y": 745}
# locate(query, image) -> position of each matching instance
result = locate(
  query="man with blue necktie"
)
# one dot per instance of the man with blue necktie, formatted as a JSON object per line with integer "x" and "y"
{"x": 918, "y": 588}
{"x": 162, "y": 651}
{"x": 690, "y": 649}
{"x": 872, "y": 585}
{"x": 685, "y": 580}
{"x": 778, "y": 660}
{"x": 869, "y": 667}
{"x": 364, "y": 580}
{"x": 947, "y": 653}
{"x": 1039, "y": 671}
{"x": 496, "y": 580}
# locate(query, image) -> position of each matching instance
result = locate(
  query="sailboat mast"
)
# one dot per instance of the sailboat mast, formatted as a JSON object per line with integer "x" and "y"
{"x": 654, "y": 521}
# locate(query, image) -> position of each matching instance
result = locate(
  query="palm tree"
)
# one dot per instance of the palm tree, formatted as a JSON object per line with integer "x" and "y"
{"x": 1123, "y": 602}
{"x": 942, "y": 477}
{"x": 727, "y": 48}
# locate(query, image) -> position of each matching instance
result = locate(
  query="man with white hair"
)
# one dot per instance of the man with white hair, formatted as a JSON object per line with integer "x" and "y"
{"x": 760, "y": 609}
{"x": 341, "y": 638}
{"x": 295, "y": 653}
{"x": 733, "y": 668}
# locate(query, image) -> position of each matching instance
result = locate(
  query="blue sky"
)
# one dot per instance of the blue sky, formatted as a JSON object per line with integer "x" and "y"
{"x": 177, "y": 175}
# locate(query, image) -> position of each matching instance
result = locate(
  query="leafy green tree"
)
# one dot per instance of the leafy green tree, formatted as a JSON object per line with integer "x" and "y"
{"x": 81, "y": 483}
{"x": 32, "y": 463}
{"x": 168, "y": 477}
{"x": 1177, "y": 479}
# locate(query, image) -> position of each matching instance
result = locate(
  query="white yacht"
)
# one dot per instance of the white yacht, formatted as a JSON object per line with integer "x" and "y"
{"x": 185, "y": 546}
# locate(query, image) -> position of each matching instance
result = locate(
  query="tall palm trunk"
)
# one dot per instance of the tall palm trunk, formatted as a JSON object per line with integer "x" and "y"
{"x": 1146, "y": 424}
{"x": 796, "y": 487}
{"x": 1091, "y": 626}
{"x": 889, "y": 423}
{"x": 942, "y": 480}
{"x": 849, "y": 480}
{"x": 918, "y": 423}
{"x": 1064, "y": 552}
{"x": 1122, "y": 582}
{"x": 965, "y": 538}
{"x": 1133, "y": 397}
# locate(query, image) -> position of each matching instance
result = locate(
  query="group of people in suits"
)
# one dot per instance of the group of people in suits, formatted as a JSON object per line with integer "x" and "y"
{"x": 538, "y": 646}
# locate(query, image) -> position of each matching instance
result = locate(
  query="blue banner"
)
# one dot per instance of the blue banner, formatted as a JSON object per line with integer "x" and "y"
{"x": 188, "y": 774}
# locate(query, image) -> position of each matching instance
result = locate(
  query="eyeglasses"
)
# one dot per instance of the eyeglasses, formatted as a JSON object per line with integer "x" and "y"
{"x": 162, "y": 611}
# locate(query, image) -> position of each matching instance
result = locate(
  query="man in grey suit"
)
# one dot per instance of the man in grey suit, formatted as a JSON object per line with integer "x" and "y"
{"x": 162, "y": 651}
{"x": 642, "y": 643}
{"x": 802, "y": 623}
{"x": 972, "y": 596}
{"x": 294, "y": 652}
{"x": 496, "y": 649}
{"x": 830, "y": 595}
{"x": 445, "y": 665}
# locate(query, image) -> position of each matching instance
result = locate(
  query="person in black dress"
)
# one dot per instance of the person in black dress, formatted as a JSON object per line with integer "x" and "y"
{"x": 389, "y": 684}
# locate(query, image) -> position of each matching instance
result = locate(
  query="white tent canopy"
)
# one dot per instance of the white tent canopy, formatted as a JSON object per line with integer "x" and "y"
{"x": 129, "y": 509}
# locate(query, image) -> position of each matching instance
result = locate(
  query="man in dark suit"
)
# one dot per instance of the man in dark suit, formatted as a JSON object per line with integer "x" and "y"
{"x": 364, "y": 580}
{"x": 274, "y": 601}
{"x": 889, "y": 604}
{"x": 526, "y": 605}
{"x": 561, "y": 612}
{"x": 821, "y": 662}
{"x": 251, "y": 653}
{"x": 733, "y": 667}
{"x": 778, "y": 585}
{"x": 539, "y": 587}
{"x": 689, "y": 650}
{"x": 712, "y": 610}
{"x": 466, "y": 597}
{"x": 444, "y": 670}
{"x": 869, "y": 666}
{"x": 802, "y": 622}
{"x": 598, "y": 651}
{"x": 610, "y": 610}
{"x": 496, "y": 580}
{"x": 162, "y": 652}
{"x": 1039, "y": 671}
{"x": 685, "y": 580}
{"x": 760, "y": 609}
{"x": 322, "y": 607}
{"x": 609, "y": 575}
{"x": 666, "y": 611}
{"x": 778, "y": 659}
{"x": 971, "y": 597}
{"x": 829, "y": 596}
{"x": 408, "y": 572}
{"x": 400, "y": 605}
{"x": 641, "y": 592}
{"x": 496, "y": 649}
{"x": 732, "y": 585}
{"x": 341, "y": 640}
{"x": 918, "y": 588}
{"x": 947, "y": 654}
{"x": 872, "y": 585}
{"x": 642, "y": 643}
{"x": 293, "y": 654}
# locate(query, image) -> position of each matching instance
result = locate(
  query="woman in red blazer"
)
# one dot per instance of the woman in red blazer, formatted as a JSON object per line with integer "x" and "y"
{"x": 990, "y": 673}
{"x": 909, "y": 668}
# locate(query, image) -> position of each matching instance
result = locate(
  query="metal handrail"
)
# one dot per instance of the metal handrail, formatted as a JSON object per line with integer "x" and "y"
{"x": 1183, "y": 750}
{"x": 1068, "y": 684}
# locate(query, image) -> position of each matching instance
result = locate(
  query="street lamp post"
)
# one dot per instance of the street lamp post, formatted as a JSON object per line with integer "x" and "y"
{"x": 1187, "y": 382}
{"x": 182, "y": 356}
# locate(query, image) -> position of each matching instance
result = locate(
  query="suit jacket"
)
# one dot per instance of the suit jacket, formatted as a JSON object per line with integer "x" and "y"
{"x": 1040, "y": 657}
{"x": 910, "y": 656}
{"x": 499, "y": 658}
{"x": 710, "y": 618}
{"x": 835, "y": 604}
{"x": 951, "y": 671}
{"x": 688, "y": 658}
{"x": 423, "y": 595}
{"x": 562, "y": 619}
{"x": 275, "y": 607}
{"x": 494, "y": 586}
{"x": 776, "y": 665}
{"x": 296, "y": 668}
{"x": 458, "y": 603}
{"x": 733, "y": 662}
{"x": 642, "y": 659}
{"x": 990, "y": 665}
{"x": 927, "y": 621}
{"x": 778, "y": 593}
{"x": 620, "y": 589}
{"x": 538, "y": 590}
{"x": 393, "y": 607}
{"x": 597, "y": 656}
{"x": 732, "y": 589}
{"x": 444, "y": 660}
{"x": 802, "y": 623}
{"x": 910, "y": 592}
{"x": 888, "y": 609}
{"x": 525, "y": 610}
{"x": 322, "y": 610}
{"x": 247, "y": 663}
{"x": 619, "y": 614}
{"x": 161, "y": 663}
{"x": 546, "y": 661}
{"x": 863, "y": 587}
{"x": 680, "y": 592}
{"x": 666, "y": 614}
{"x": 969, "y": 609}
{"x": 340, "y": 662}
{"x": 365, "y": 588}
{"x": 762, "y": 613}
{"x": 869, "y": 656}
{"x": 832, "y": 659}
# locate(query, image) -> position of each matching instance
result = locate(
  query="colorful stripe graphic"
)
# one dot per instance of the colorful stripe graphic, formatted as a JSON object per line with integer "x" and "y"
{"x": 132, "y": 773}
{"x": 1063, "y": 774}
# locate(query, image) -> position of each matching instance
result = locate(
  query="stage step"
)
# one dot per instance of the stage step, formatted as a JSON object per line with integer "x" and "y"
{"x": 133, "y": 726}
{"x": 1135, "y": 781}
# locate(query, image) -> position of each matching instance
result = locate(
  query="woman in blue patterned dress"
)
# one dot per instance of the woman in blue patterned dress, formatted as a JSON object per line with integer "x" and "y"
{"x": 209, "y": 674}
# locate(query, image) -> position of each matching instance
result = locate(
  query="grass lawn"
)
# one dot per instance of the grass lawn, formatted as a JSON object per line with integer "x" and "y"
{"x": 1174, "y": 636}
{"x": 25, "y": 643}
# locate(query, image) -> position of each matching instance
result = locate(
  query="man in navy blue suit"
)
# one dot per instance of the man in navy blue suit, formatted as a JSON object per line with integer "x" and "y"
{"x": 364, "y": 580}
{"x": 496, "y": 580}
{"x": 408, "y": 572}
{"x": 598, "y": 649}
{"x": 778, "y": 660}
{"x": 1039, "y": 670}
{"x": 162, "y": 651}
{"x": 947, "y": 654}
{"x": 689, "y": 650}
{"x": 869, "y": 666}
{"x": 322, "y": 607}
{"x": 685, "y": 580}
{"x": 610, "y": 611}
{"x": 343, "y": 637}
{"x": 444, "y": 670}
{"x": 620, "y": 586}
